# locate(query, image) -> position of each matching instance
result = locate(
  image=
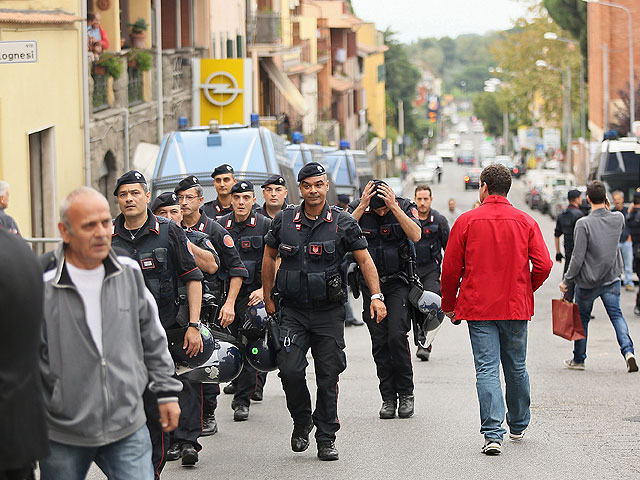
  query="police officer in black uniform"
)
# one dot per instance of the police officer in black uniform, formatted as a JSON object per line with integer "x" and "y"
{"x": 389, "y": 224}
{"x": 247, "y": 228}
{"x": 274, "y": 191}
{"x": 633, "y": 223}
{"x": 223, "y": 180}
{"x": 565, "y": 224}
{"x": 230, "y": 275}
{"x": 434, "y": 236}
{"x": 162, "y": 250}
{"x": 166, "y": 205}
{"x": 312, "y": 239}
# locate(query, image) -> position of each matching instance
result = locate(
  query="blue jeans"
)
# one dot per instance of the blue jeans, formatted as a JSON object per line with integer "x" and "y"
{"x": 126, "y": 459}
{"x": 494, "y": 342}
{"x": 626, "y": 249}
{"x": 610, "y": 295}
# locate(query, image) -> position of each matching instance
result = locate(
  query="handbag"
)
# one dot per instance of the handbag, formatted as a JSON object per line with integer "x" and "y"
{"x": 566, "y": 320}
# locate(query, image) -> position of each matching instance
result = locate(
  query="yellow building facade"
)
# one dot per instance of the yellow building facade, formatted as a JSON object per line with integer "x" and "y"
{"x": 372, "y": 49}
{"x": 41, "y": 111}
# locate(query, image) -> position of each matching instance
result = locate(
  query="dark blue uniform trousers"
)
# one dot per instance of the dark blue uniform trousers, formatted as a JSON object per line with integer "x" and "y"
{"x": 322, "y": 330}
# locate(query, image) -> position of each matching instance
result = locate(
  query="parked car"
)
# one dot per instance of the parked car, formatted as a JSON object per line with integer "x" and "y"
{"x": 454, "y": 138}
{"x": 619, "y": 166}
{"x": 435, "y": 162}
{"x": 446, "y": 151}
{"x": 508, "y": 162}
{"x": 553, "y": 181}
{"x": 396, "y": 185}
{"x": 423, "y": 174}
{"x": 534, "y": 197}
{"x": 472, "y": 178}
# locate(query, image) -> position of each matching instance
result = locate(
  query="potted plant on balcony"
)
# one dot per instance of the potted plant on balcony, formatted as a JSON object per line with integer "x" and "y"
{"x": 140, "y": 59}
{"x": 137, "y": 32}
{"x": 109, "y": 64}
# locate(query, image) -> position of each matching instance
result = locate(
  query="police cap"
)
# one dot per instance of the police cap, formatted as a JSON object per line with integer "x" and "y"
{"x": 311, "y": 169}
{"x": 377, "y": 201}
{"x": 573, "y": 194}
{"x": 342, "y": 198}
{"x": 242, "y": 187}
{"x": 187, "y": 183}
{"x": 132, "y": 176}
{"x": 166, "y": 199}
{"x": 274, "y": 180}
{"x": 222, "y": 169}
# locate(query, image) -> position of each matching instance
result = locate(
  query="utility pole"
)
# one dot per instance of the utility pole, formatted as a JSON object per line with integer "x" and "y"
{"x": 505, "y": 132}
{"x": 569, "y": 122}
{"x": 401, "y": 131}
{"x": 605, "y": 82}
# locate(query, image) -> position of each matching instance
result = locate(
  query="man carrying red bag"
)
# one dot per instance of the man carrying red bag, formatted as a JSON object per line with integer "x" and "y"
{"x": 595, "y": 269}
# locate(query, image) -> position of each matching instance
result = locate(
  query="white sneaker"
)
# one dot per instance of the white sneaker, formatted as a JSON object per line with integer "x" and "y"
{"x": 492, "y": 447}
{"x": 632, "y": 365}
{"x": 516, "y": 437}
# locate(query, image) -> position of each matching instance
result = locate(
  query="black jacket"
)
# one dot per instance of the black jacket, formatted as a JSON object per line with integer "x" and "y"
{"x": 22, "y": 414}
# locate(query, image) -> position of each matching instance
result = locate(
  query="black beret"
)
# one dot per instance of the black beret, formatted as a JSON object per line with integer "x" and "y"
{"x": 274, "y": 180}
{"x": 342, "y": 198}
{"x": 166, "y": 199}
{"x": 132, "y": 176}
{"x": 222, "y": 169}
{"x": 241, "y": 187}
{"x": 311, "y": 169}
{"x": 187, "y": 183}
{"x": 573, "y": 194}
{"x": 377, "y": 201}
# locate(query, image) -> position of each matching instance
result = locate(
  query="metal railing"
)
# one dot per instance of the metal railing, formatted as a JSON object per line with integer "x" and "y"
{"x": 135, "y": 87}
{"x": 99, "y": 99}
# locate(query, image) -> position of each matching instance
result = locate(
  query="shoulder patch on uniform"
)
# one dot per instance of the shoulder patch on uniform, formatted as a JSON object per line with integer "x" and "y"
{"x": 414, "y": 212}
{"x": 189, "y": 248}
{"x": 228, "y": 241}
{"x": 209, "y": 244}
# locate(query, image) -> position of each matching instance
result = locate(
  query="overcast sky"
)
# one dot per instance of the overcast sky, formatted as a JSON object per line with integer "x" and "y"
{"x": 413, "y": 19}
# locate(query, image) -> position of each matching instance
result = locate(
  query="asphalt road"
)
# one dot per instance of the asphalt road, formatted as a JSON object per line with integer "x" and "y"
{"x": 584, "y": 423}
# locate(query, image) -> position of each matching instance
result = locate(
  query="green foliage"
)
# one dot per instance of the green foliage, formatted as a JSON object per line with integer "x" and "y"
{"x": 112, "y": 64}
{"x": 464, "y": 58}
{"x": 143, "y": 59}
{"x": 485, "y": 107}
{"x": 402, "y": 79}
{"x": 571, "y": 15}
{"x": 139, "y": 26}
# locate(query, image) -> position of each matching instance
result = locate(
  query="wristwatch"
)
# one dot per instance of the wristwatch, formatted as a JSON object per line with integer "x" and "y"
{"x": 378, "y": 296}
{"x": 197, "y": 325}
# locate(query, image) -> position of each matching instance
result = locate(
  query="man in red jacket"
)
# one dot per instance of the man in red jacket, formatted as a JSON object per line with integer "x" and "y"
{"x": 487, "y": 259}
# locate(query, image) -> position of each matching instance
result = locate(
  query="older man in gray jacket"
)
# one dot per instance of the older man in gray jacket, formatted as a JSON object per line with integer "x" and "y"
{"x": 595, "y": 269}
{"x": 102, "y": 344}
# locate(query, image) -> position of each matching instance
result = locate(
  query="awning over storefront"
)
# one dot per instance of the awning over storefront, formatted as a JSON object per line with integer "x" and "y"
{"x": 285, "y": 85}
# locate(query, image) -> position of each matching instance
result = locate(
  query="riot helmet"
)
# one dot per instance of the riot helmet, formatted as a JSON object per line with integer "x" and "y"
{"x": 224, "y": 365}
{"x": 183, "y": 361}
{"x": 261, "y": 353}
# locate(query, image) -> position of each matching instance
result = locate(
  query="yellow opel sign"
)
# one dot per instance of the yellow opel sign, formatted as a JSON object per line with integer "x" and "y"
{"x": 222, "y": 91}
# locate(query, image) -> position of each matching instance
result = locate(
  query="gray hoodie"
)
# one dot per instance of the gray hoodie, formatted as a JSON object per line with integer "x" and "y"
{"x": 93, "y": 399}
{"x": 596, "y": 258}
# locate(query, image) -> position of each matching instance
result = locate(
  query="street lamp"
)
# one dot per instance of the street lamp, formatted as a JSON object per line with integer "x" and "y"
{"x": 583, "y": 121}
{"x": 566, "y": 105}
{"x": 492, "y": 85}
{"x": 632, "y": 98}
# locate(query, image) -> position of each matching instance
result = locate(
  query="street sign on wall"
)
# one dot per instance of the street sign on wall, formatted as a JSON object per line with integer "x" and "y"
{"x": 222, "y": 91}
{"x": 551, "y": 138}
{"x": 19, "y": 51}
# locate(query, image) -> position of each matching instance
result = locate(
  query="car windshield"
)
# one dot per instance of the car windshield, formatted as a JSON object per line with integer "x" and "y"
{"x": 393, "y": 182}
{"x": 337, "y": 164}
{"x": 623, "y": 162}
{"x": 188, "y": 152}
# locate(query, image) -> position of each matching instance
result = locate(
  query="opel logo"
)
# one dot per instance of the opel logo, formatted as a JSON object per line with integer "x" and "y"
{"x": 221, "y": 93}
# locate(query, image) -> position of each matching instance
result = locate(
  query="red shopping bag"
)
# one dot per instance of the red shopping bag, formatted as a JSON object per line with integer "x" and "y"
{"x": 566, "y": 320}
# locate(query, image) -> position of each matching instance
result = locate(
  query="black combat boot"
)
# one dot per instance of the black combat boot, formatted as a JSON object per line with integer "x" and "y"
{"x": 174, "y": 452}
{"x": 209, "y": 424}
{"x": 230, "y": 389}
{"x": 405, "y": 409}
{"x": 240, "y": 413}
{"x": 327, "y": 451}
{"x": 256, "y": 396}
{"x": 189, "y": 455}
{"x": 300, "y": 437}
{"x": 388, "y": 409}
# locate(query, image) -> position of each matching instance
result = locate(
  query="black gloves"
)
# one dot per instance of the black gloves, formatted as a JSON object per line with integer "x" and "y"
{"x": 559, "y": 257}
